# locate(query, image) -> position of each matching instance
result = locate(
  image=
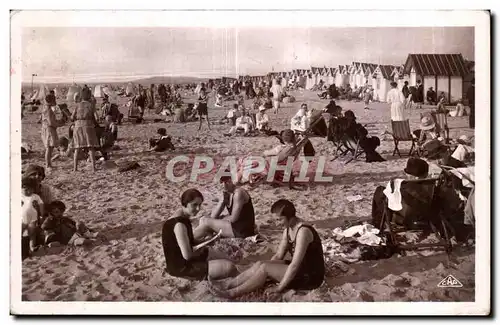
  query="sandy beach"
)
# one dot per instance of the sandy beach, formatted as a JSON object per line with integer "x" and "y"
{"x": 128, "y": 209}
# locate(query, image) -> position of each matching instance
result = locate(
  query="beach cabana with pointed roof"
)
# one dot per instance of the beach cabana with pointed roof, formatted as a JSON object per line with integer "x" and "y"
{"x": 381, "y": 81}
{"x": 444, "y": 72}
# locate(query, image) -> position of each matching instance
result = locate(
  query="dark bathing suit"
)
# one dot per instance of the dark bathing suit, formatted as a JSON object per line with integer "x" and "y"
{"x": 311, "y": 271}
{"x": 245, "y": 225}
{"x": 196, "y": 268}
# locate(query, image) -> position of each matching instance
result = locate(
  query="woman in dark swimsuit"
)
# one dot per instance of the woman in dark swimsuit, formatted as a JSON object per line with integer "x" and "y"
{"x": 240, "y": 223}
{"x": 178, "y": 242}
{"x": 305, "y": 271}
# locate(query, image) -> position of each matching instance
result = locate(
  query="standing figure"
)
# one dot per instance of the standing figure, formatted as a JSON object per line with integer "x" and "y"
{"x": 84, "y": 133}
{"x": 396, "y": 99}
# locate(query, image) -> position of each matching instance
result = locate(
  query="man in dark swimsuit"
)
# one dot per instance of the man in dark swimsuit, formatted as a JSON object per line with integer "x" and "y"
{"x": 240, "y": 223}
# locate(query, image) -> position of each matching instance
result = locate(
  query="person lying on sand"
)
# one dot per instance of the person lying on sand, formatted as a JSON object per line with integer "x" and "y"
{"x": 240, "y": 223}
{"x": 161, "y": 144}
{"x": 61, "y": 230}
{"x": 305, "y": 271}
{"x": 66, "y": 150}
{"x": 178, "y": 241}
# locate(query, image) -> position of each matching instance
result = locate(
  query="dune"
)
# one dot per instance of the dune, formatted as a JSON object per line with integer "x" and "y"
{"x": 128, "y": 210}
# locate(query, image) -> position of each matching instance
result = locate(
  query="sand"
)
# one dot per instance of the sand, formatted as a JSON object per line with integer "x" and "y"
{"x": 129, "y": 208}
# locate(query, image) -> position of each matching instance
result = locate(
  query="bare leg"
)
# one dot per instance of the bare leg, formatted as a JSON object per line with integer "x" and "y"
{"x": 220, "y": 269}
{"x": 201, "y": 120}
{"x": 208, "y": 226}
{"x": 208, "y": 122}
{"x": 92, "y": 158}
{"x": 275, "y": 271}
{"x": 48, "y": 157}
{"x": 75, "y": 160}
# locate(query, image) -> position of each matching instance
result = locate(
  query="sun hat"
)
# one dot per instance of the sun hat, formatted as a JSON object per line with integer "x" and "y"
{"x": 426, "y": 123}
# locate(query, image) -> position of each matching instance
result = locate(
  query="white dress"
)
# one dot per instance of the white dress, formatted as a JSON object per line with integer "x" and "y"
{"x": 396, "y": 98}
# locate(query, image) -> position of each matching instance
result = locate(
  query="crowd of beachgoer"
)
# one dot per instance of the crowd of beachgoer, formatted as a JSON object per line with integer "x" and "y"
{"x": 186, "y": 249}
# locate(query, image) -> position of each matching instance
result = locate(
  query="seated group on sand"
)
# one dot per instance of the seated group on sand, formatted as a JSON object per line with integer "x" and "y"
{"x": 43, "y": 220}
{"x": 184, "y": 258}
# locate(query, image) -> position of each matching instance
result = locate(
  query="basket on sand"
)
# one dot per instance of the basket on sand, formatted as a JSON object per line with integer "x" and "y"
{"x": 288, "y": 99}
{"x": 179, "y": 115}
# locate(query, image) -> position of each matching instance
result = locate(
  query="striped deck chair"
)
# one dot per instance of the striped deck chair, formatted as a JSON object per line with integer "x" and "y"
{"x": 420, "y": 212}
{"x": 442, "y": 125}
{"x": 401, "y": 132}
{"x": 353, "y": 148}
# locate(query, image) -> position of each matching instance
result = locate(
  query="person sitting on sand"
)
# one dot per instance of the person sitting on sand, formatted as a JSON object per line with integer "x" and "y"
{"x": 305, "y": 270}
{"x": 181, "y": 256}
{"x": 262, "y": 119}
{"x": 244, "y": 123}
{"x": 61, "y": 230}
{"x": 66, "y": 150}
{"x": 32, "y": 209}
{"x": 300, "y": 121}
{"x": 232, "y": 114}
{"x": 240, "y": 223}
{"x": 161, "y": 144}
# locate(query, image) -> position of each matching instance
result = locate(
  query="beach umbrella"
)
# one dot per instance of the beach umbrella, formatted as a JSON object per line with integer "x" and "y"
{"x": 72, "y": 92}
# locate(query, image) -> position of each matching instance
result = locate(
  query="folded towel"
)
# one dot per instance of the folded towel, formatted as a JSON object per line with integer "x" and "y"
{"x": 394, "y": 195}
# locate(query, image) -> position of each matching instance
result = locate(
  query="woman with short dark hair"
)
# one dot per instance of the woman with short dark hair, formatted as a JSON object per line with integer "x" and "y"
{"x": 182, "y": 258}
{"x": 305, "y": 271}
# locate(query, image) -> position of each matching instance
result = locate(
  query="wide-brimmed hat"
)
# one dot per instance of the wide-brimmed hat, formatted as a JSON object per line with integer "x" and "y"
{"x": 427, "y": 123}
{"x": 417, "y": 167}
{"x": 262, "y": 108}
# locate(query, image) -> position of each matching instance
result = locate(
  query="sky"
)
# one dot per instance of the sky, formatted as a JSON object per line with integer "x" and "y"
{"x": 58, "y": 54}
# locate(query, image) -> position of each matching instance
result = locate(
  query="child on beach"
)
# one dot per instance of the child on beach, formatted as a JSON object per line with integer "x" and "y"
{"x": 367, "y": 96}
{"x": 59, "y": 229}
{"x": 31, "y": 211}
{"x": 161, "y": 144}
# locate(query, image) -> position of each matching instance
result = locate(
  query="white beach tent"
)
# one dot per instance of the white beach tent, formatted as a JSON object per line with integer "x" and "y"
{"x": 130, "y": 90}
{"x": 72, "y": 92}
{"x": 40, "y": 93}
{"x": 98, "y": 92}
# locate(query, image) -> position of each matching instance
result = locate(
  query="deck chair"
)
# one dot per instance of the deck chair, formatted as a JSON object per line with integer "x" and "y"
{"x": 401, "y": 132}
{"x": 353, "y": 148}
{"x": 295, "y": 154}
{"x": 421, "y": 213}
{"x": 441, "y": 125}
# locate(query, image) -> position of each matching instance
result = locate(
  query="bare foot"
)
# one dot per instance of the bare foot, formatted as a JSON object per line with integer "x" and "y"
{"x": 216, "y": 291}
